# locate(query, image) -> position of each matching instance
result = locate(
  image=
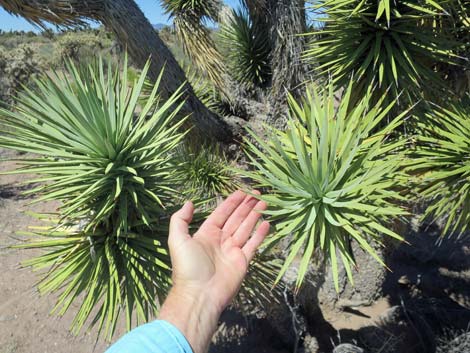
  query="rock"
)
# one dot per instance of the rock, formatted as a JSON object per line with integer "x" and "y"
{"x": 310, "y": 344}
{"x": 368, "y": 281}
{"x": 348, "y": 348}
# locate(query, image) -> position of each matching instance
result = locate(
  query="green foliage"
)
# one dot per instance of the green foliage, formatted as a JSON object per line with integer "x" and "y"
{"x": 248, "y": 51}
{"x": 18, "y": 67}
{"x": 110, "y": 163}
{"x": 189, "y": 19}
{"x": 442, "y": 162}
{"x": 332, "y": 178}
{"x": 259, "y": 287}
{"x": 397, "y": 45}
{"x": 202, "y": 9}
{"x": 206, "y": 91}
{"x": 78, "y": 45}
{"x": 206, "y": 170}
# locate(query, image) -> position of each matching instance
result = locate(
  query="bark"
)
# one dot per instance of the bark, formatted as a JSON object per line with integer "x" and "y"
{"x": 134, "y": 31}
{"x": 286, "y": 20}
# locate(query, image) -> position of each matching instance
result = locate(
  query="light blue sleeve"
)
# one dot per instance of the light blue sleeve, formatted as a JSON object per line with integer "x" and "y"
{"x": 155, "y": 337}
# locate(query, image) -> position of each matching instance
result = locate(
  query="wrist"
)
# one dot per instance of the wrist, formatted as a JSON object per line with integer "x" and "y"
{"x": 194, "y": 313}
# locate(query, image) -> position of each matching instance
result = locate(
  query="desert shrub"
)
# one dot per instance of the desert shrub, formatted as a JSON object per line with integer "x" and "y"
{"x": 244, "y": 40}
{"x": 441, "y": 161}
{"x": 332, "y": 178}
{"x": 453, "y": 341}
{"x": 110, "y": 164}
{"x": 398, "y": 45}
{"x": 18, "y": 68}
{"x": 76, "y": 45}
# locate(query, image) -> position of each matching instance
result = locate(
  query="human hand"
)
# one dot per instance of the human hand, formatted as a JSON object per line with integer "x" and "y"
{"x": 215, "y": 259}
{"x": 209, "y": 267}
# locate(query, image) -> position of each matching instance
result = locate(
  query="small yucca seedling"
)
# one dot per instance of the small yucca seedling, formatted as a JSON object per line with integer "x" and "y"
{"x": 111, "y": 167}
{"x": 206, "y": 171}
{"x": 332, "y": 178}
{"x": 442, "y": 163}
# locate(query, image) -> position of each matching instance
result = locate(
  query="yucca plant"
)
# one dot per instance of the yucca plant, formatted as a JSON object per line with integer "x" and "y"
{"x": 248, "y": 51}
{"x": 110, "y": 164}
{"x": 206, "y": 171}
{"x": 396, "y": 45}
{"x": 332, "y": 178}
{"x": 190, "y": 18}
{"x": 442, "y": 165}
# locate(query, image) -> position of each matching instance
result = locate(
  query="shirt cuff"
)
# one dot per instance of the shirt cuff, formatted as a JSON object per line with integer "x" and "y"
{"x": 155, "y": 337}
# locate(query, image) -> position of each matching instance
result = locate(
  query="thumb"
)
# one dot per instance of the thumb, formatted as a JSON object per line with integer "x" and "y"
{"x": 179, "y": 224}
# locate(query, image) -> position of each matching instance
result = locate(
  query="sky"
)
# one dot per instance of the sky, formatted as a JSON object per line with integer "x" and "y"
{"x": 151, "y": 9}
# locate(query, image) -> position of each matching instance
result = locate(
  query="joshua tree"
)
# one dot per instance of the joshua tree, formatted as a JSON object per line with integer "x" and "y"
{"x": 134, "y": 31}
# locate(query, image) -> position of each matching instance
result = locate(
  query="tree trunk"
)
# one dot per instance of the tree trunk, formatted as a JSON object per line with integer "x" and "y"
{"x": 289, "y": 71}
{"x": 134, "y": 32}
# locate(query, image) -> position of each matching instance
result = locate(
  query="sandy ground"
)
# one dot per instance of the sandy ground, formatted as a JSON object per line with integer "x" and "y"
{"x": 25, "y": 322}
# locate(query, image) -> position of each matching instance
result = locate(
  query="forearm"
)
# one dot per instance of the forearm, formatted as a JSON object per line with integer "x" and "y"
{"x": 194, "y": 314}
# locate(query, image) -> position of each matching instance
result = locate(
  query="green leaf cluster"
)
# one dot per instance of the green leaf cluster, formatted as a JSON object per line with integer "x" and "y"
{"x": 397, "y": 45}
{"x": 332, "y": 177}
{"x": 441, "y": 163}
{"x": 190, "y": 18}
{"x": 107, "y": 156}
{"x": 244, "y": 39}
{"x": 206, "y": 171}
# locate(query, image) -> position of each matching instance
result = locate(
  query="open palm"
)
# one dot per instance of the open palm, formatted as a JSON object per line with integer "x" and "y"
{"x": 215, "y": 259}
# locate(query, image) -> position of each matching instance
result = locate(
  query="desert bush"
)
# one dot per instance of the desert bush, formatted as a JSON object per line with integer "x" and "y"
{"x": 332, "y": 178}
{"x": 18, "y": 68}
{"x": 76, "y": 45}
{"x": 398, "y": 45}
{"x": 441, "y": 162}
{"x": 111, "y": 167}
{"x": 247, "y": 49}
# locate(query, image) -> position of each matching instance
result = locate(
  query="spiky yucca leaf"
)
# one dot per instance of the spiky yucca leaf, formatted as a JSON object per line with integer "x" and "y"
{"x": 205, "y": 90}
{"x": 442, "y": 162}
{"x": 190, "y": 18}
{"x": 247, "y": 47}
{"x": 332, "y": 179}
{"x": 395, "y": 44}
{"x": 259, "y": 287}
{"x": 59, "y": 12}
{"x": 127, "y": 275}
{"x": 206, "y": 171}
{"x": 109, "y": 161}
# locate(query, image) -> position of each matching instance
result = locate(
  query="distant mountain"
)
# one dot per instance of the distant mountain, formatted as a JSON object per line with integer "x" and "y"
{"x": 159, "y": 26}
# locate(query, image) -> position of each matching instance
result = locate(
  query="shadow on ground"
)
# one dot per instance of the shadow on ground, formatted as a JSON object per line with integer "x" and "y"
{"x": 429, "y": 295}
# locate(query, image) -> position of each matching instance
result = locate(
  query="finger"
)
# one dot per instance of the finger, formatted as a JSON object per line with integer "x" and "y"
{"x": 179, "y": 223}
{"x": 225, "y": 209}
{"x": 255, "y": 241}
{"x": 240, "y": 214}
{"x": 245, "y": 229}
